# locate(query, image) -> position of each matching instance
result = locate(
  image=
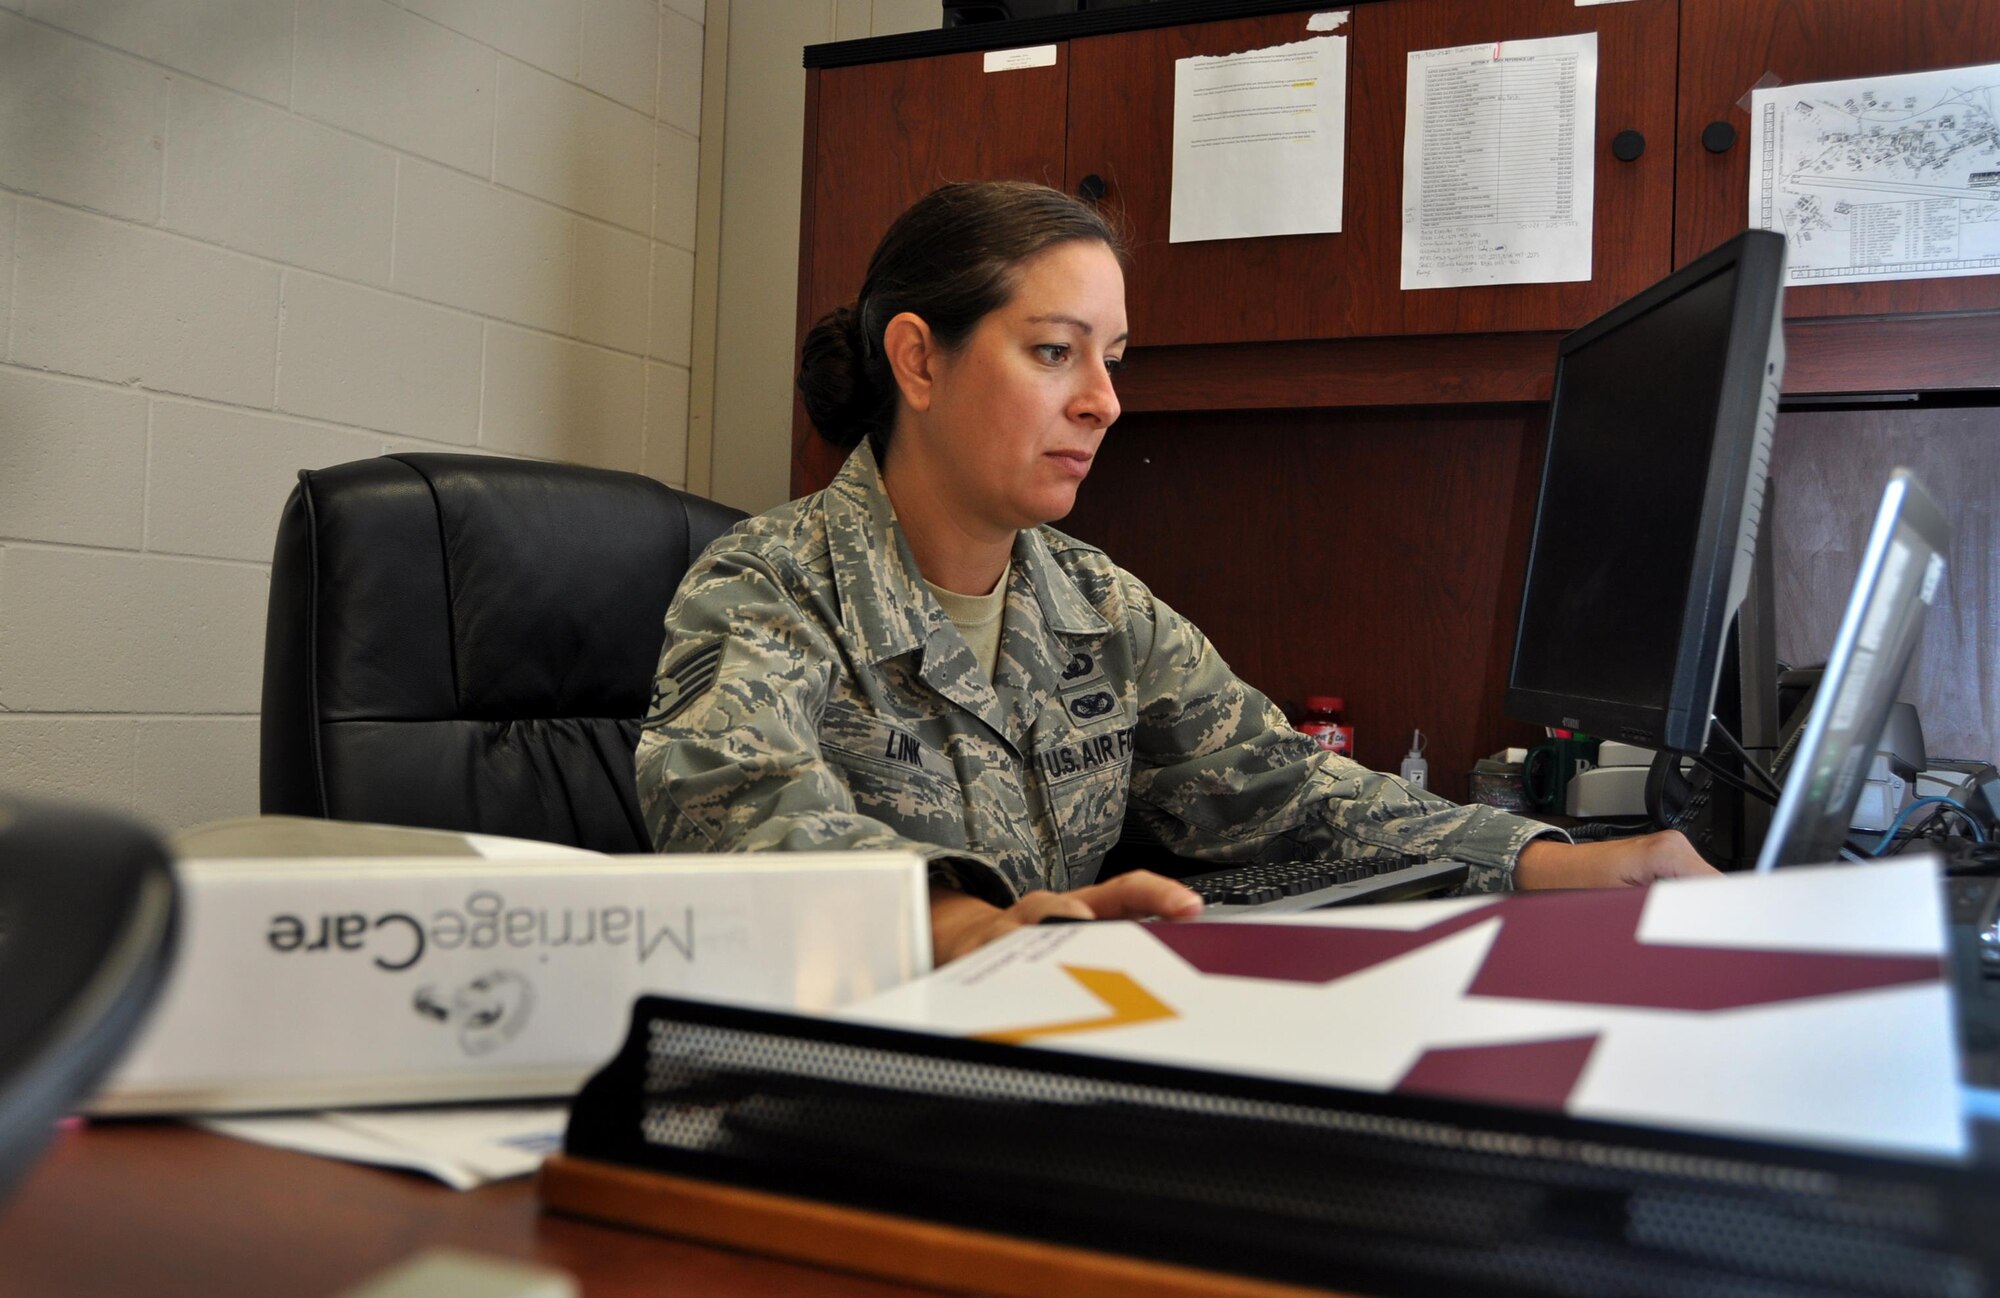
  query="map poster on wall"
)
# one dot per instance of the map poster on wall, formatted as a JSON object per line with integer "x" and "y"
{"x": 1891, "y": 177}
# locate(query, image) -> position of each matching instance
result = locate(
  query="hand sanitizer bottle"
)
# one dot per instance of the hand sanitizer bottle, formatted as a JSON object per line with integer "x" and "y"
{"x": 1416, "y": 771}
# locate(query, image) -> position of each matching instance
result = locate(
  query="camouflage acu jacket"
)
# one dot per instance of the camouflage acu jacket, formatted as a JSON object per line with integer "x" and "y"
{"x": 813, "y": 695}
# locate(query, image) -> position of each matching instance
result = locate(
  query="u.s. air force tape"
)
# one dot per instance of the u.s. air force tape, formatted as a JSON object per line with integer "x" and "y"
{"x": 688, "y": 681}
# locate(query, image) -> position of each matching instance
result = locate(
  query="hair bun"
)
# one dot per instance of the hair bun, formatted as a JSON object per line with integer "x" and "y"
{"x": 849, "y": 319}
{"x": 841, "y": 398}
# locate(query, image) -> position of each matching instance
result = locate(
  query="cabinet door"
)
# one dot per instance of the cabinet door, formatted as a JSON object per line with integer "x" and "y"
{"x": 1727, "y": 46}
{"x": 889, "y": 133}
{"x": 1632, "y": 226}
{"x": 1339, "y": 285}
{"x": 879, "y": 136}
{"x": 1121, "y": 116}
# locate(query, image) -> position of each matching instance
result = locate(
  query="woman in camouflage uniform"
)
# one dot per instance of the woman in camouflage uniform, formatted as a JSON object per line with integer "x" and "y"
{"x": 914, "y": 659}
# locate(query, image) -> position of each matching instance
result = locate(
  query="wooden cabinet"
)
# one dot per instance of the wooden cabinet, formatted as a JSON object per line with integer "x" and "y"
{"x": 1348, "y": 284}
{"x": 880, "y": 134}
{"x": 885, "y": 133}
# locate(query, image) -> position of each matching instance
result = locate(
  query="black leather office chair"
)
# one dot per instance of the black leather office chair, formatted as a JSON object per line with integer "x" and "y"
{"x": 464, "y": 642}
{"x": 87, "y": 926}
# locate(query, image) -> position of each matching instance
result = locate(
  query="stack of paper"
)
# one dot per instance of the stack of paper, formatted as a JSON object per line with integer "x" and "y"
{"x": 463, "y": 1147}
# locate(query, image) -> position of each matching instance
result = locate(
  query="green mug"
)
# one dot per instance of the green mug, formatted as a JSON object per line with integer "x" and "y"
{"x": 1551, "y": 766}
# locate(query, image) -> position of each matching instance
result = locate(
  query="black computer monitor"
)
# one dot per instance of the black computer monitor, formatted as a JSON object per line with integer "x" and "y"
{"x": 1900, "y": 571}
{"x": 1652, "y": 494}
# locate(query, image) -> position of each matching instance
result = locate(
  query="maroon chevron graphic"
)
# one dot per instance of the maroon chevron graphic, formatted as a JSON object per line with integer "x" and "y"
{"x": 1302, "y": 954}
{"x": 1576, "y": 948}
{"x": 1537, "y": 1074}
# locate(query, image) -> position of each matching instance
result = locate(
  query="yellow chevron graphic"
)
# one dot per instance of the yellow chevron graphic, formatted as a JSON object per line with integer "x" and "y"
{"x": 1129, "y": 1003}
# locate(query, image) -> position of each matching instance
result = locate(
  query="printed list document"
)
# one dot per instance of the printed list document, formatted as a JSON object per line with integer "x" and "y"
{"x": 1891, "y": 177}
{"x": 1260, "y": 142}
{"x": 1498, "y": 163}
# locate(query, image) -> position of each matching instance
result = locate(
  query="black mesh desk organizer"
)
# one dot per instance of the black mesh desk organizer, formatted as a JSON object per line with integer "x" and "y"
{"x": 1287, "y": 1182}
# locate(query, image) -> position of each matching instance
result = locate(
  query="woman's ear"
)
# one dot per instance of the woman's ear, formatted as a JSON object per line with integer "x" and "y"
{"x": 911, "y": 350}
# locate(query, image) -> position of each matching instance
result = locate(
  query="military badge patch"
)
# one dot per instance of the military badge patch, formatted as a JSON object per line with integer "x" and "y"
{"x": 1089, "y": 707}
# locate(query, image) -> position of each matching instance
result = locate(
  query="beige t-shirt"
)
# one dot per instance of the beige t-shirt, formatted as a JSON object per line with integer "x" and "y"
{"x": 977, "y": 618}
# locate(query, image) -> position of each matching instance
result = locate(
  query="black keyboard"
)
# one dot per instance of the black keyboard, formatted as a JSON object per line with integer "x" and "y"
{"x": 1310, "y": 885}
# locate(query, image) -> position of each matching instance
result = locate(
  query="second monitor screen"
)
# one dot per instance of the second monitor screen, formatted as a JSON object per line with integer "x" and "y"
{"x": 1622, "y": 496}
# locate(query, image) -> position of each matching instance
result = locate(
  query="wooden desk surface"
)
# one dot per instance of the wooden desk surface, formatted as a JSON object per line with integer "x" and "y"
{"x": 174, "y": 1212}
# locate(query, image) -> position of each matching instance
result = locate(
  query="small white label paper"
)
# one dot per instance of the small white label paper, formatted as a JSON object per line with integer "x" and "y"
{"x": 1260, "y": 142}
{"x": 1034, "y": 56}
{"x": 1498, "y": 163}
{"x": 1894, "y": 177}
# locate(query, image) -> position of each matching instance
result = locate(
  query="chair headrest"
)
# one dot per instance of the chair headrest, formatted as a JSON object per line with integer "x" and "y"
{"x": 461, "y": 586}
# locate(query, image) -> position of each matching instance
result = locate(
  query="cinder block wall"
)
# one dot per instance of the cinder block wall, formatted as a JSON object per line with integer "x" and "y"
{"x": 243, "y": 237}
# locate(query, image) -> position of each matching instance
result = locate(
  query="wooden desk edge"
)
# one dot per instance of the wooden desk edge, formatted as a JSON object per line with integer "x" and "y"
{"x": 851, "y": 1239}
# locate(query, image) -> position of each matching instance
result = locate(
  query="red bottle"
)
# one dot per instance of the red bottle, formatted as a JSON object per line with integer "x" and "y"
{"x": 1325, "y": 725}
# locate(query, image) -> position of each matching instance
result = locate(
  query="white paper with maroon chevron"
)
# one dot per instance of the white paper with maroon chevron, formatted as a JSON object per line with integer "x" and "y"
{"x": 1808, "y": 1005}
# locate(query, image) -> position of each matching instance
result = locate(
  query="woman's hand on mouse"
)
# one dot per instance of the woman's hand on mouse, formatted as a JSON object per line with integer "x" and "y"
{"x": 961, "y": 923}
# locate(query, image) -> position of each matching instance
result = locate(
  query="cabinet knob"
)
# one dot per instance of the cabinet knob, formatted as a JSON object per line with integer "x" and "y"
{"x": 1091, "y": 188}
{"x": 1626, "y": 146}
{"x": 1717, "y": 137}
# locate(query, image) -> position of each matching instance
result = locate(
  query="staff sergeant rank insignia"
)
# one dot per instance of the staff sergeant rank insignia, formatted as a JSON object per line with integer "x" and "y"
{"x": 688, "y": 681}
